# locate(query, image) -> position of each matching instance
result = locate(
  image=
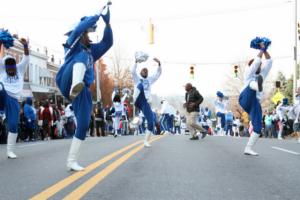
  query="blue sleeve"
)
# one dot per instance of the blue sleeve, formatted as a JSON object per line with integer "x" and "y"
{"x": 99, "y": 49}
{"x": 81, "y": 27}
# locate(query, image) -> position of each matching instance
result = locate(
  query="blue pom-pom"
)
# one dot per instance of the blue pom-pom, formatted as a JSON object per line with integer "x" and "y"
{"x": 220, "y": 94}
{"x": 6, "y": 38}
{"x": 256, "y": 41}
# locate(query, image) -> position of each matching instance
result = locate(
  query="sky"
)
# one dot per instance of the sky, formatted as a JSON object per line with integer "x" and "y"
{"x": 212, "y": 35}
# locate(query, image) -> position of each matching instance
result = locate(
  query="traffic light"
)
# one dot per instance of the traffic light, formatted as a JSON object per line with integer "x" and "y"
{"x": 192, "y": 71}
{"x": 298, "y": 30}
{"x": 151, "y": 32}
{"x": 236, "y": 71}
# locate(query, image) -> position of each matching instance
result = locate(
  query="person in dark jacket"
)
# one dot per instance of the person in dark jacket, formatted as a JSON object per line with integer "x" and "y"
{"x": 193, "y": 99}
{"x": 99, "y": 119}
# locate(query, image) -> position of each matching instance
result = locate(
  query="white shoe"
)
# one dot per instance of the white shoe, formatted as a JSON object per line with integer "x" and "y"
{"x": 146, "y": 144}
{"x": 76, "y": 89}
{"x": 11, "y": 155}
{"x": 249, "y": 151}
{"x": 77, "y": 80}
{"x": 299, "y": 140}
{"x": 280, "y": 138}
{"x": 74, "y": 166}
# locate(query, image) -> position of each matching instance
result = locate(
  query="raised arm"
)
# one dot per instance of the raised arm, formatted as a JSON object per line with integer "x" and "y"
{"x": 154, "y": 77}
{"x": 22, "y": 66}
{"x": 135, "y": 76}
{"x": 1, "y": 57}
{"x": 124, "y": 98}
{"x": 268, "y": 65}
{"x": 113, "y": 95}
{"x": 99, "y": 49}
{"x": 102, "y": 47}
{"x": 251, "y": 70}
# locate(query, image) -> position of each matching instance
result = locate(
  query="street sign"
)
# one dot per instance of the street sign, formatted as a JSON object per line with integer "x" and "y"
{"x": 277, "y": 97}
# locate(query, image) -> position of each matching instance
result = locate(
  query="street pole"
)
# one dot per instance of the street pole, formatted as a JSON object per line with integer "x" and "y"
{"x": 98, "y": 82}
{"x": 295, "y": 55}
{"x": 98, "y": 92}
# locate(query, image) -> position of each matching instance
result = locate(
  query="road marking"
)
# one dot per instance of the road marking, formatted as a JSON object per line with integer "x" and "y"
{"x": 29, "y": 145}
{"x": 285, "y": 150}
{"x": 74, "y": 177}
{"x": 92, "y": 182}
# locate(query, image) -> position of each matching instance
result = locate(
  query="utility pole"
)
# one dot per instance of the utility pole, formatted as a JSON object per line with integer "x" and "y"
{"x": 98, "y": 92}
{"x": 295, "y": 55}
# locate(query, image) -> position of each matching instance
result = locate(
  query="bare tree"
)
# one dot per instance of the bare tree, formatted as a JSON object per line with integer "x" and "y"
{"x": 121, "y": 71}
{"x": 106, "y": 84}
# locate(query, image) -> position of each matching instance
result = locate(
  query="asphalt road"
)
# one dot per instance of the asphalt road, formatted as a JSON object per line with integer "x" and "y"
{"x": 173, "y": 168}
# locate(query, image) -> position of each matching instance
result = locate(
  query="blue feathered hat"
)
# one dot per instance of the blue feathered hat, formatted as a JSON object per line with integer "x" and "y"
{"x": 256, "y": 41}
{"x": 6, "y": 38}
{"x": 285, "y": 101}
{"x": 220, "y": 94}
{"x": 88, "y": 27}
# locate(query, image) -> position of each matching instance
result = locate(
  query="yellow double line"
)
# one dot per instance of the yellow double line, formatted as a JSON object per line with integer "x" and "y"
{"x": 89, "y": 184}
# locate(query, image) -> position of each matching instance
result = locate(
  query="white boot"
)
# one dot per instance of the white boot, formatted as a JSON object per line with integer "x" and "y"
{"x": 299, "y": 140}
{"x": 147, "y": 139}
{"x": 252, "y": 140}
{"x": 11, "y": 145}
{"x": 73, "y": 155}
{"x": 77, "y": 79}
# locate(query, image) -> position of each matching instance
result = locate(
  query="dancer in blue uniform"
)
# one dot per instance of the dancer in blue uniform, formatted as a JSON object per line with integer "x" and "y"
{"x": 11, "y": 85}
{"x": 252, "y": 92}
{"x": 118, "y": 110}
{"x": 142, "y": 92}
{"x": 77, "y": 74}
{"x": 221, "y": 109}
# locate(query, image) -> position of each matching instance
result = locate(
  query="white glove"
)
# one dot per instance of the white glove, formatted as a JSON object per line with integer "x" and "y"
{"x": 141, "y": 57}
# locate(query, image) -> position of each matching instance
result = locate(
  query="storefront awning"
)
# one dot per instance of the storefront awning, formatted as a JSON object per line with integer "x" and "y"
{"x": 39, "y": 89}
{"x": 26, "y": 93}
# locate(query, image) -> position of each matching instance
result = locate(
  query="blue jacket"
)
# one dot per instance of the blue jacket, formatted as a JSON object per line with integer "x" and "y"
{"x": 29, "y": 114}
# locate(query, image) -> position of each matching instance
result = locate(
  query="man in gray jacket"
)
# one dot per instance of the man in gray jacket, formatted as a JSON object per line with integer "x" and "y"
{"x": 192, "y": 101}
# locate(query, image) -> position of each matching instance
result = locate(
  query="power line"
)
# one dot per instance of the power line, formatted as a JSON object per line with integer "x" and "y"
{"x": 202, "y": 63}
{"x": 212, "y": 13}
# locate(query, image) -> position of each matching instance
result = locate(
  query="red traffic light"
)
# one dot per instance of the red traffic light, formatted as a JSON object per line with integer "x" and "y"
{"x": 236, "y": 67}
